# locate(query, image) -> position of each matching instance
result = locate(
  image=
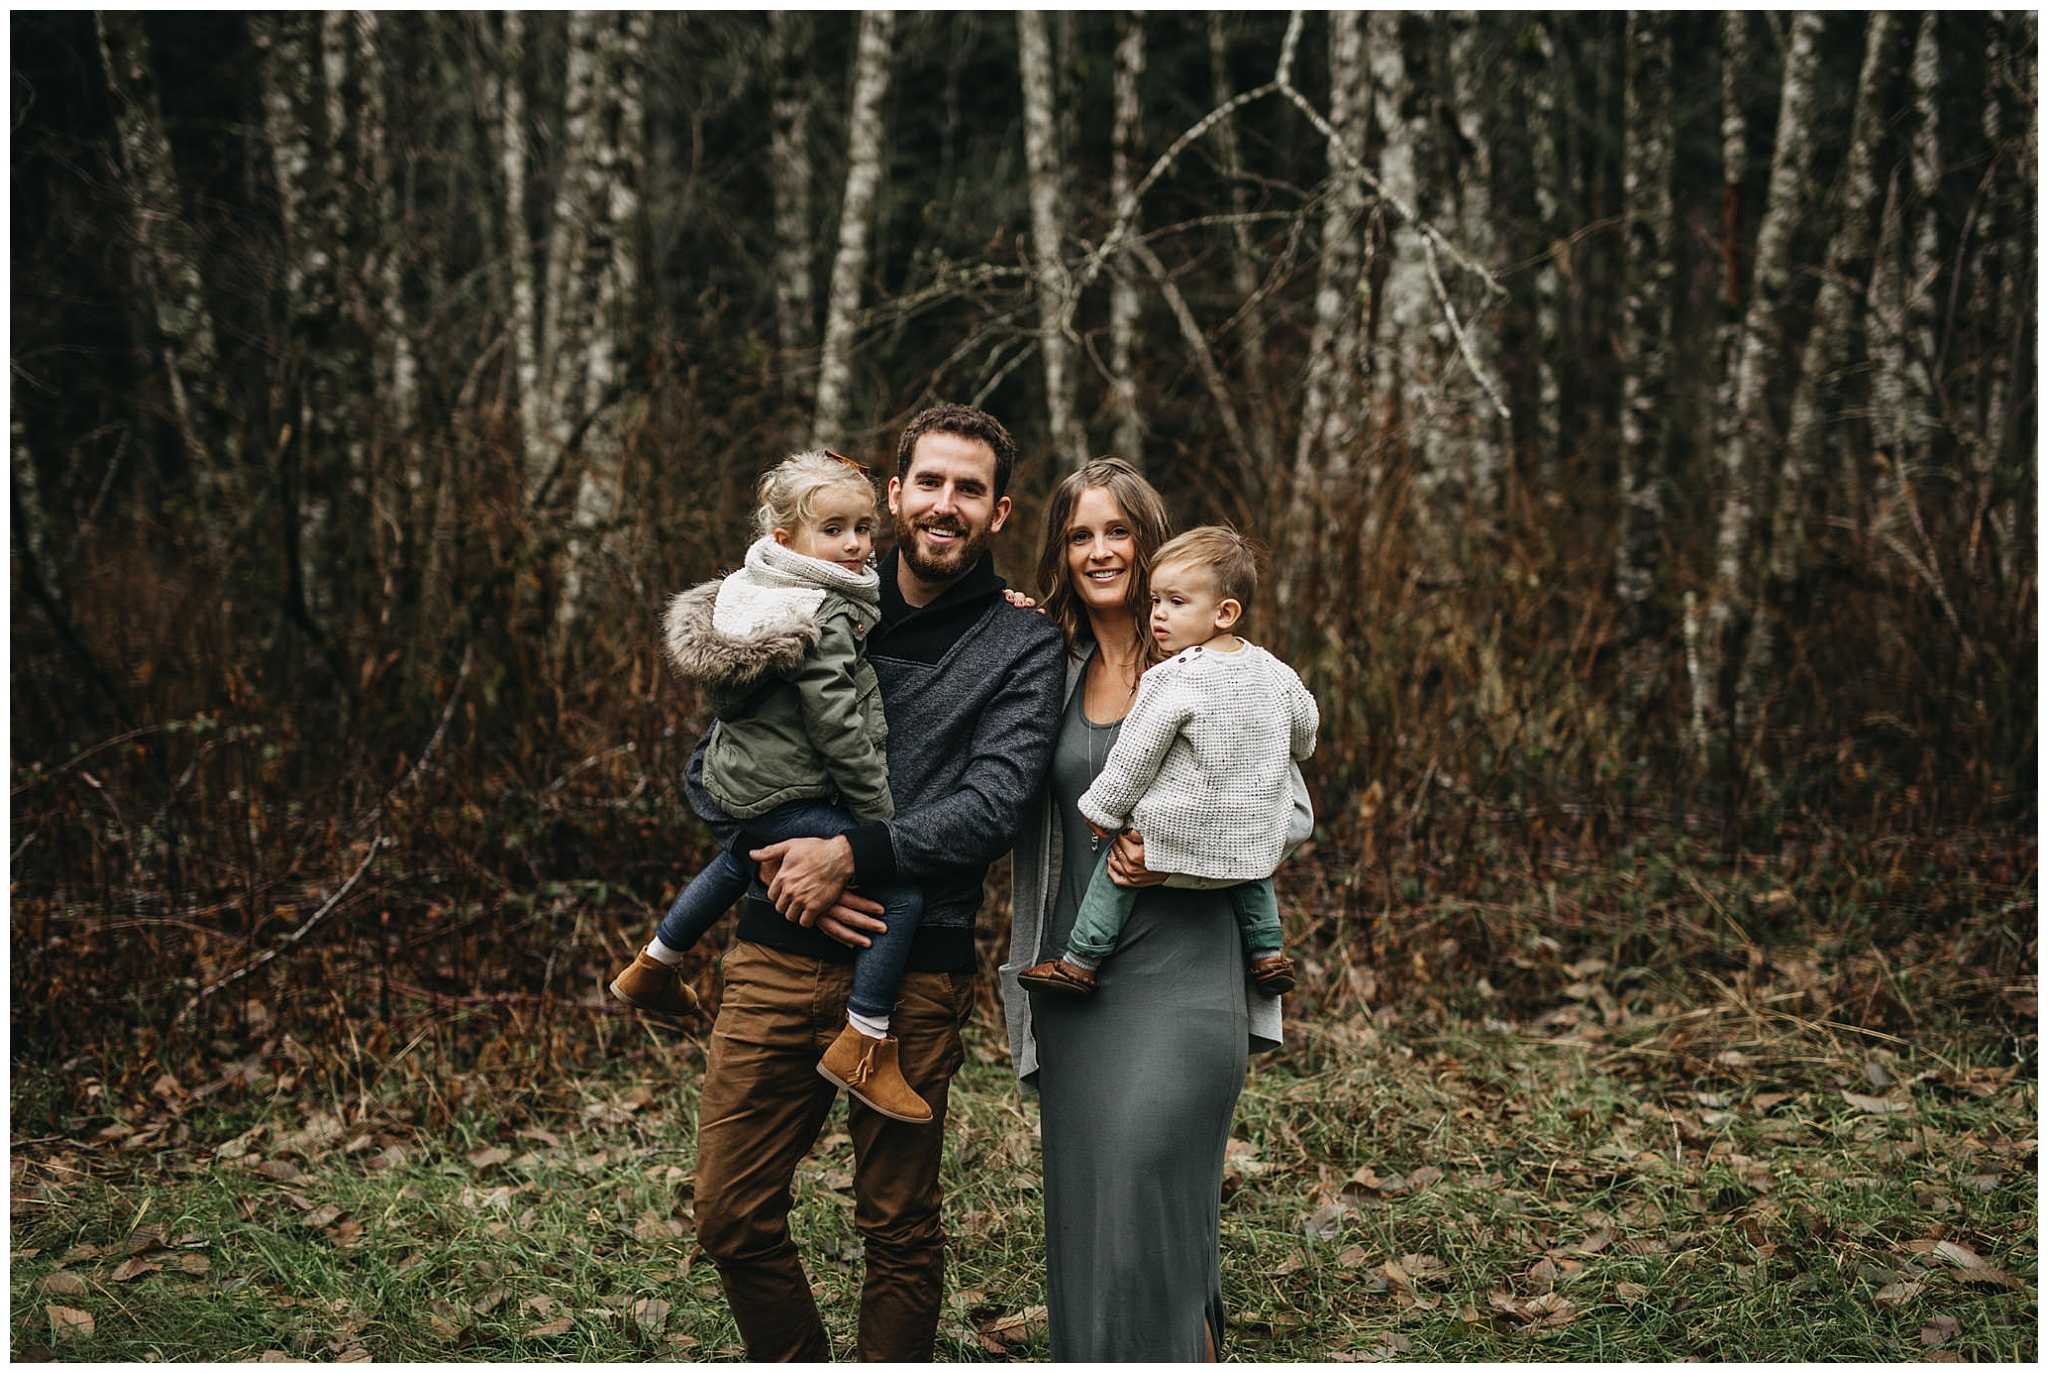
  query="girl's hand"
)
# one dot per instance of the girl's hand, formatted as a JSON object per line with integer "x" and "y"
{"x": 1018, "y": 599}
{"x": 1098, "y": 831}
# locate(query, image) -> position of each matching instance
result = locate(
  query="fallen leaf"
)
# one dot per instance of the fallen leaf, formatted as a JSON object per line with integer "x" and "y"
{"x": 355, "y": 1353}
{"x": 446, "y": 1331}
{"x": 68, "y": 1321}
{"x": 1015, "y": 1329}
{"x": 279, "y": 1170}
{"x": 320, "y": 1217}
{"x": 650, "y": 1314}
{"x": 1938, "y": 1329}
{"x": 62, "y": 1284}
{"x": 1631, "y": 1292}
{"x": 348, "y": 1231}
{"x": 1326, "y": 1222}
{"x": 194, "y": 1263}
{"x": 839, "y": 1180}
{"x": 561, "y": 1326}
{"x": 1877, "y": 1105}
{"x": 80, "y": 1253}
{"x": 1396, "y": 1341}
{"x": 1351, "y": 1256}
{"x": 1899, "y": 1293}
{"x": 146, "y": 1238}
{"x": 1987, "y": 1276}
{"x": 490, "y": 1301}
{"x": 1293, "y": 1263}
{"x": 540, "y": 1136}
{"x": 133, "y": 1269}
{"x": 490, "y": 1157}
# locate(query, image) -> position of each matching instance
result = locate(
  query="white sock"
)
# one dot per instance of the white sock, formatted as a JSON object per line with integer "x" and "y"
{"x": 873, "y": 1026}
{"x": 662, "y": 953}
{"x": 1081, "y": 960}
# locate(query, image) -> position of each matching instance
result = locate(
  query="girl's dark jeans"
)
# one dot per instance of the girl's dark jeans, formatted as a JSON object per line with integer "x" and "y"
{"x": 877, "y": 969}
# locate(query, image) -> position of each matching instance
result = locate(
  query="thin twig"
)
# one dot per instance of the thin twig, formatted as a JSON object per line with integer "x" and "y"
{"x": 292, "y": 940}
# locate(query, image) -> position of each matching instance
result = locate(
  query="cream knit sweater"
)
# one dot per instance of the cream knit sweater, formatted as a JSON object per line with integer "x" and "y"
{"x": 1200, "y": 767}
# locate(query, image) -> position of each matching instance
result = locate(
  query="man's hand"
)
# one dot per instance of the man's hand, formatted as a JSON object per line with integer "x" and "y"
{"x": 810, "y": 876}
{"x": 1127, "y": 862}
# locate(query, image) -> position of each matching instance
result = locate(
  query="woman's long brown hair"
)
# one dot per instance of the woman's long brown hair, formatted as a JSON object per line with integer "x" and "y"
{"x": 1144, "y": 512}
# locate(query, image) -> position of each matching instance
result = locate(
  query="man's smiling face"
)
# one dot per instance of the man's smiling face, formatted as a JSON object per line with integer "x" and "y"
{"x": 945, "y": 507}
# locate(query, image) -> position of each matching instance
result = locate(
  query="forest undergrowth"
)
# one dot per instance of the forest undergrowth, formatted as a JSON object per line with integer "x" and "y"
{"x": 1655, "y": 1105}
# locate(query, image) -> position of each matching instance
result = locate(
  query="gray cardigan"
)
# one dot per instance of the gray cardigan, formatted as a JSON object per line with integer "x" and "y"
{"x": 1035, "y": 884}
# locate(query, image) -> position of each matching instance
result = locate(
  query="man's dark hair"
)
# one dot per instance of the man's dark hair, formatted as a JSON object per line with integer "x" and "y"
{"x": 968, "y": 423}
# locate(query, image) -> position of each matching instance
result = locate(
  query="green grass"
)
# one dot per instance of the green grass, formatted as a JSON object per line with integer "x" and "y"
{"x": 1458, "y": 1193}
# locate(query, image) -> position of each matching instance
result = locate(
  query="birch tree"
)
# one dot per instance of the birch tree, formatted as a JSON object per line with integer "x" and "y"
{"x": 611, "y": 207}
{"x": 1464, "y": 453}
{"x": 167, "y": 254}
{"x": 1647, "y": 225}
{"x": 789, "y": 175}
{"x": 1747, "y": 428}
{"x": 397, "y": 369}
{"x": 863, "y": 180}
{"x": 1125, "y": 141}
{"x": 1330, "y": 418}
{"x": 521, "y": 286}
{"x": 1825, "y": 354}
{"x": 1048, "y": 234}
{"x": 1547, "y": 165}
{"x": 1400, "y": 394}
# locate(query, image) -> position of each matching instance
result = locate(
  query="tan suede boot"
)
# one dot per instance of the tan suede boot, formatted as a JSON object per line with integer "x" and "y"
{"x": 1059, "y": 976}
{"x": 653, "y": 985}
{"x": 867, "y": 1068}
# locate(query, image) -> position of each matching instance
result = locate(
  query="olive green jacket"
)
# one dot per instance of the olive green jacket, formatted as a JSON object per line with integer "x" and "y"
{"x": 779, "y": 650}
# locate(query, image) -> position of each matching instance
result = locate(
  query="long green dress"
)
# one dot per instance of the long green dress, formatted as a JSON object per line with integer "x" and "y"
{"x": 1137, "y": 1086}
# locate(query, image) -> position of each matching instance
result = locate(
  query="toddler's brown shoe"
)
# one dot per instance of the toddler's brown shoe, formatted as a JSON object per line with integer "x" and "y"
{"x": 1058, "y": 975}
{"x": 653, "y": 985}
{"x": 867, "y": 1068}
{"x": 1273, "y": 974}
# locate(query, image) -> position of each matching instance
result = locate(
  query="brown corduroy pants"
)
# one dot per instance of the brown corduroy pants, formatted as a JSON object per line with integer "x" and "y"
{"x": 762, "y": 1107}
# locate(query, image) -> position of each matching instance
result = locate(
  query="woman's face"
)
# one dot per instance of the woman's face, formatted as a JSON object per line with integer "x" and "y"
{"x": 1101, "y": 552}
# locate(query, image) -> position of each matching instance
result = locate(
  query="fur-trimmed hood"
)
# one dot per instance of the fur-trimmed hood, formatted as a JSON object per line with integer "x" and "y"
{"x": 760, "y": 621}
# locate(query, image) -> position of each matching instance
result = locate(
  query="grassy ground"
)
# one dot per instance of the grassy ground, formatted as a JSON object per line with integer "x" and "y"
{"x": 1613, "y": 1179}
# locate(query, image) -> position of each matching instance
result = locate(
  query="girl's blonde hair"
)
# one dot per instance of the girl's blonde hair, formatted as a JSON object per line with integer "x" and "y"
{"x": 789, "y": 490}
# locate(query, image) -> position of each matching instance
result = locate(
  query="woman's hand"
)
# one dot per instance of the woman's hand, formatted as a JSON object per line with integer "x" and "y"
{"x": 1127, "y": 862}
{"x": 1019, "y": 599}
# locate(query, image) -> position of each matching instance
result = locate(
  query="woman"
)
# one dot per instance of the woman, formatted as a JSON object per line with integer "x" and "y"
{"x": 1138, "y": 1082}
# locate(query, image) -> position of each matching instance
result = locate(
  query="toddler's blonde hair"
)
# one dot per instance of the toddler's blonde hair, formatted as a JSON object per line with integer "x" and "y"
{"x": 1227, "y": 558}
{"x": 789, "y": 490}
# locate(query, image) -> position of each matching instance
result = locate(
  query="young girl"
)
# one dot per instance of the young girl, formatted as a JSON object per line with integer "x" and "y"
{"x": 797, "y": 750}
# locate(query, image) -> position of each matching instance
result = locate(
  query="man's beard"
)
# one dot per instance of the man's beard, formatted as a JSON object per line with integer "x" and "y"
{"x": 965, "y": 554}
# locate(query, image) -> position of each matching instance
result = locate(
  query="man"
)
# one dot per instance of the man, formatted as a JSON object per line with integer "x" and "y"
{"x": 971, "y": 688}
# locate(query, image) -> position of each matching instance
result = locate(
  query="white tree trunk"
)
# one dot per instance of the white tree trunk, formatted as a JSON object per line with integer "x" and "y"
{"x": 167, "y": 250}
{"x": 1548, "y": 174}
{"x": 613, "y": 209}
{"x": 1825, "y": 354}
{"x": 1330, "y": 419}
{"x": 1401, "y": 370}
{"x": 1469, "y": 448}
{"x": 1125, "y": 141}
{"x": 1735, "y": 64}
{"x": 863, "y": 180}
{"x": 536, "y": 454}
{"x": 1049, "y": 272}
{"x": 397, "y": 368}
{"x": 789, "y": 176}
{"x": 1748, "y": 429}
{"x": 1647, "y": 230}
